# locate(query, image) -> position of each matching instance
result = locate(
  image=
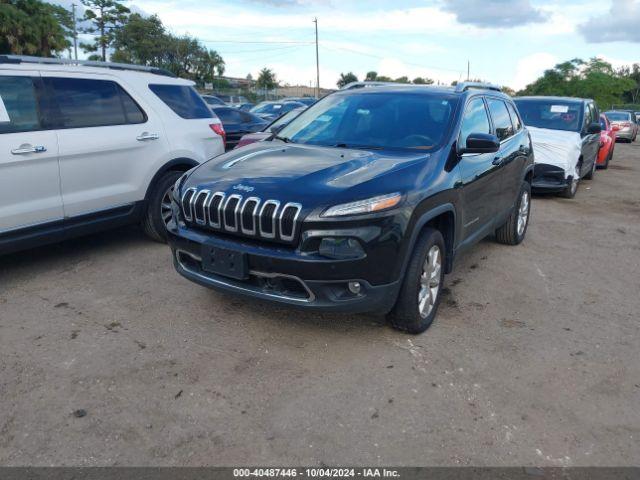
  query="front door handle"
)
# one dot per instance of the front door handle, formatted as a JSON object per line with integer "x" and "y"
{"x": 147, "y": 136}
{"x": 24, "y": 149}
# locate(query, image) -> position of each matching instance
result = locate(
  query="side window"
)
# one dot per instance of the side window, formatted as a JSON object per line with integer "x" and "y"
{"x": 18, "y": 105}
{"x": 83, "y": 103}
{"x": 475, "y": 120}
{"x": 588, "y": 114}
{"x": 183, "y": 100}
{"x": 515, "y": 118}
{"x": 501, "y": 118}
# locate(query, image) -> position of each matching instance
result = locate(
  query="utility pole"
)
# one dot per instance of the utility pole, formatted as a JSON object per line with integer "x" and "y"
{"x": 315, "y": 20}
{"x": 75, "y": 31}
{"x": 468, "y": 69}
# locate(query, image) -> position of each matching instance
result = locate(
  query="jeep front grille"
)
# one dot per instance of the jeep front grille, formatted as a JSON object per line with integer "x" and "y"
{"x": 249, "y": 216}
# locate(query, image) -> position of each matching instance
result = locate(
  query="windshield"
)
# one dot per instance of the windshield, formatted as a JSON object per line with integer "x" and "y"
{"x": 552, "y": 114}
{"x": 268, "y": 108}
{"x": 618, "y": 116}
{"x": 374, "y": 120}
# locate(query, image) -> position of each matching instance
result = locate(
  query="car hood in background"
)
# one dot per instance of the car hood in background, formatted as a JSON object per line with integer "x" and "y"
{"x": 557, "y": 147}
{"x": 308, "y": 174}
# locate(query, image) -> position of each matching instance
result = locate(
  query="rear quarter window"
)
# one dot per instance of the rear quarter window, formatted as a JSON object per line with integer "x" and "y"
{"x": 183, "y": 100}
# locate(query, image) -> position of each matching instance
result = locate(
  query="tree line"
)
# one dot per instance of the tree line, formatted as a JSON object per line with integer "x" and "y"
{"x": 372, "y": 76}
{"x": 33, "y": 27}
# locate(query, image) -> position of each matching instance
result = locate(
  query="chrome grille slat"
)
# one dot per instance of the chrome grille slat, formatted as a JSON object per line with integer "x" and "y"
{"x": 289, "y": 233}
{"x": 251, "y": 216}
{"x": 225, "y": 212}
{"x": 188, "y": 196}
{"x": 217, "y": 206}
{"x": 196, "y": 208}
{"x": 254, "y": 218}
{"x": 271, "y": 234}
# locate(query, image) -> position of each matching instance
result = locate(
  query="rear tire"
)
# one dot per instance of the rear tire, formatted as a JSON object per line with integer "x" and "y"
{"x": 420, "y": 294}
{"x": 515, "y": 228}
{"x": 157, "y": 216}
{"x": 608, "y": 159}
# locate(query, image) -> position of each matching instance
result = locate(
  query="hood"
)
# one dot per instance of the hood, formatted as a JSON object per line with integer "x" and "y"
{"x": 308, "y": 174}
{"x": 557, "y": 147}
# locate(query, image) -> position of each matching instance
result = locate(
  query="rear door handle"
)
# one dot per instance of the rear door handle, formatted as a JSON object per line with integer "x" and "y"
{"x": 147, "y": 136}
{"x": 25, "y": 149}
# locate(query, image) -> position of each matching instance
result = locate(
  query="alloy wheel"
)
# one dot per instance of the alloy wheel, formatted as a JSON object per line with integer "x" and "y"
{"x": 523, "y": 213}
{"x": 166, "y": 213}
{"x": 430, "y": 281}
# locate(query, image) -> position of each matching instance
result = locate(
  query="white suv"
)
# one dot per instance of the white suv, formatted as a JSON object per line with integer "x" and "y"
{"x": 88, "y": 146}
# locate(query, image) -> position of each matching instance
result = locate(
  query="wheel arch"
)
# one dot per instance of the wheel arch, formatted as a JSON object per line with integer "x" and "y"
{"x": 443, "y": 219}
{"x": 175, "y": 165}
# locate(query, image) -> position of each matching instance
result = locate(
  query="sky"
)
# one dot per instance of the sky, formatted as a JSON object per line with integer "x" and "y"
{"x": 507, "y": 42}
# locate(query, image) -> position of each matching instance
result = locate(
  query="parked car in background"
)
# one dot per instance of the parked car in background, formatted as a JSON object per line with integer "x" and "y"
{"x": 361, "y": 203}
{"x": 637, "y": 114}
{"x": 566, "y": 139}
{"x": 272, "y": 110}
{"x": 245, "y": 107}
{"x": 308, "y": 101}
{"x": 85, "y": 148}
{"x": 237, "y": 123}
{"x": 270, "y": 129}
{"x": 233, "y": 100}
{"x": 607, "y": 142}
{"x": 624, "y": 123}
{"x": 212, "y": 100}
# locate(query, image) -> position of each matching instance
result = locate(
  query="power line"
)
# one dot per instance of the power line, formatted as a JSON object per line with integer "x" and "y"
{"x": 382, "y": 58}
{"x": 258, "y": 42}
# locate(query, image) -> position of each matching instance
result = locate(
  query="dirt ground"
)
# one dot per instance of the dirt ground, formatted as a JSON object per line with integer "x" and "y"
{"x": 108, "y": 357}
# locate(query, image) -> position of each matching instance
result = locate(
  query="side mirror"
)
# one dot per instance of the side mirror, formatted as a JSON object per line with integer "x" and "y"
{"x": 276, "y": 128}
{"x": 594, "y": 128}
{"x": 481, "y": 143}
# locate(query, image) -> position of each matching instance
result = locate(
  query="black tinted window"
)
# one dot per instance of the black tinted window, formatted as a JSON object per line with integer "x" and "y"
{"x": 80, "y": 103}
{"x": 475, "y": 120}
{"x": 18, "y": 105}
{"x": 183, "y": 100}
{"x": 501, "y": 118}
{"x": 228, "y": 115}
{"x": 515, "y": 118}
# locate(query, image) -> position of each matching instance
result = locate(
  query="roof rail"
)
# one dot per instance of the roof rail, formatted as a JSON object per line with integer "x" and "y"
{"x": 464, "y": 86}
{"x": 367, "y": 84}
{"x": 16, "y": 59}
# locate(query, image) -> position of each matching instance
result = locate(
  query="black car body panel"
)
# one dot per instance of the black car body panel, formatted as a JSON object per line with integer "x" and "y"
{"x": 466, "y": 196}
{"x": 237, "y": 123}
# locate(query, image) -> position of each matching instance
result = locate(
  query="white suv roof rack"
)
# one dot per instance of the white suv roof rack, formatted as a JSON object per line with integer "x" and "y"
{"x": 17, "y": 59}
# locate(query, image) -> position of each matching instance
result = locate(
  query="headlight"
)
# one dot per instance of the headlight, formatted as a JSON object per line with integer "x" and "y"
{"x": 370, "y": 205}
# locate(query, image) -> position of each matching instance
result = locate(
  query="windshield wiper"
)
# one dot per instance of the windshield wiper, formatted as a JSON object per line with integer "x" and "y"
{"x": 358, "y": 147}
{"x": 284, "y": 139}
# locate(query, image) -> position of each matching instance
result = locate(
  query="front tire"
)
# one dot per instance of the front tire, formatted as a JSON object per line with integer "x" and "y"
{"x": 419, "y": 297}
{"x": 571, "y": 189}
{"x": 515, "y": 228}
{"x": 159, "y": 212}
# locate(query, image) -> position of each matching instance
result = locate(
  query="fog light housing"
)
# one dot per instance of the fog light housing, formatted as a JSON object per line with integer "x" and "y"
{"x": 354, "y": 287}
{"x": 340, "y": 248}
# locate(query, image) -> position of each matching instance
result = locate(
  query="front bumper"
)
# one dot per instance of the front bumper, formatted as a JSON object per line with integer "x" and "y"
{"x": 549, "y": 178}
{"x": 283, "y": 275}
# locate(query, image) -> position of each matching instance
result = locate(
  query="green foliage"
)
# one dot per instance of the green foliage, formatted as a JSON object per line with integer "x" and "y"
{"x": 145, "y": 41}
{"x": 595, "y": 79}
{"x": 33, "y": 27}
{"x": 266, "y": 79}
{"x": 403, "y": 79}
{"x": 105, "y": 17}
{"x": 371, "y": 76}
{"x": 346, "y": 78}
{"x": 423, "y": 81}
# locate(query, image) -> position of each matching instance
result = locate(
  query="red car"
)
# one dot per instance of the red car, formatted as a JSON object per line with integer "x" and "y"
{"x": 607, "y": 142}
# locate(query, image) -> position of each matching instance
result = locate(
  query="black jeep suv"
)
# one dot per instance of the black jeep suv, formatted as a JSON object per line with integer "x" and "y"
{"x": 361, "y": 203}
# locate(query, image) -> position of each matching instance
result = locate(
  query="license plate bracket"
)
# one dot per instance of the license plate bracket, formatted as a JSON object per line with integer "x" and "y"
{"x": 225, "y": 262}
